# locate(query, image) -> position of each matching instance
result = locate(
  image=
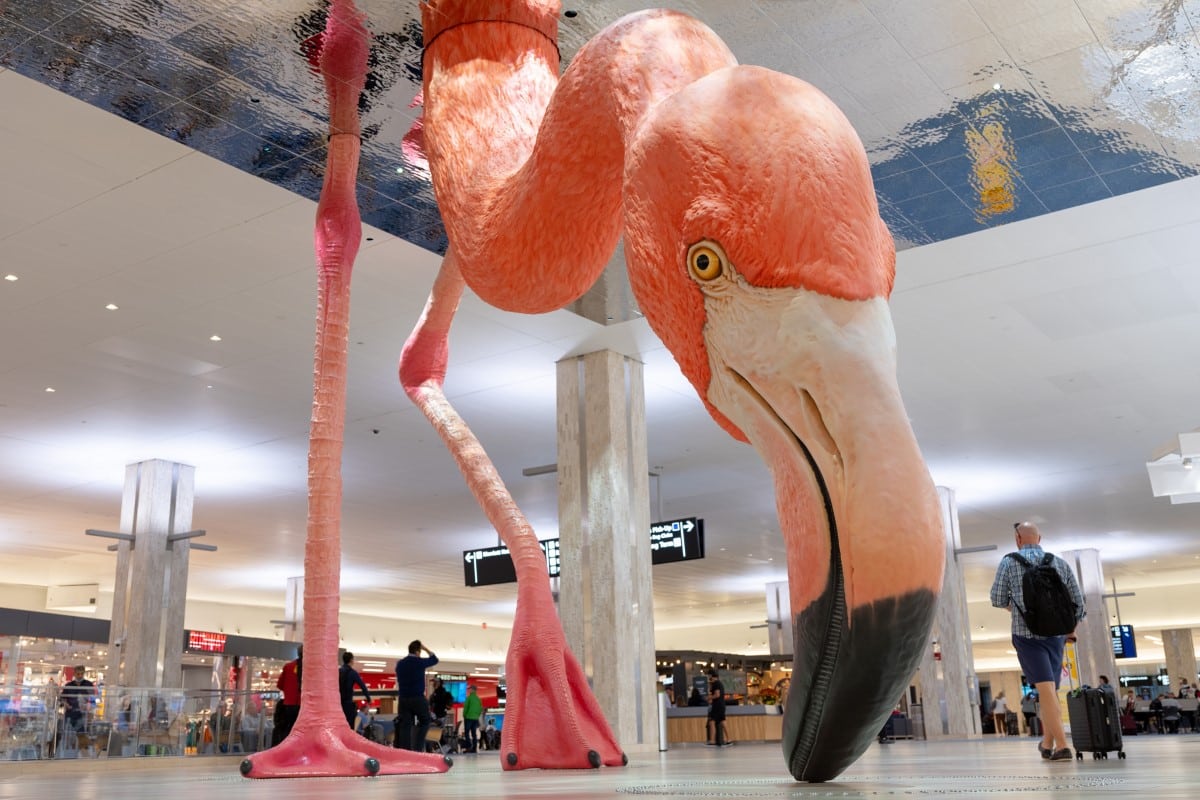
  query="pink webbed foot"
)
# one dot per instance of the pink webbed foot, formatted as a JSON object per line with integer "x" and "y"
{"x": 552, "y": 721}
{"x": 335, "y": 751}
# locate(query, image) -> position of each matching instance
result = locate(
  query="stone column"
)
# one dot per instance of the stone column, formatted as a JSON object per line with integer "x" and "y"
{"x": 1093, "y": 650}
{"x": 1180, "y": 652}
{"x": 949, "y": 686}
{"x": 146, "y": 636}
{"x": 605, "y": 598}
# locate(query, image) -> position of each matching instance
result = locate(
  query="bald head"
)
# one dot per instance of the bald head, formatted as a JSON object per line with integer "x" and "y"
{"x": 1027, "y": 533}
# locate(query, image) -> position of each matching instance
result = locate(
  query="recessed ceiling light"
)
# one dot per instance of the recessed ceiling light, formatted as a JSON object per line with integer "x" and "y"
{"x": 214, "y": 338}
{"x": 996, "y": 86}
{"x": 209, "y": 386}
{"x": 112, "y": 306}
{"x": 10, "y": 277}
{"x": 399, "y": 170}
{"x": 49, "y": 388}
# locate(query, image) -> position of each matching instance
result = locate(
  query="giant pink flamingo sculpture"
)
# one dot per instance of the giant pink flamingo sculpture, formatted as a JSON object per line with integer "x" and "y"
{"x": 756, "y": 251}
{"x": 321, "y": 744}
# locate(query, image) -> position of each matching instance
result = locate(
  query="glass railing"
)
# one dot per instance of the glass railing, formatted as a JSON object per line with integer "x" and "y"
{"x": 115, "y": 722}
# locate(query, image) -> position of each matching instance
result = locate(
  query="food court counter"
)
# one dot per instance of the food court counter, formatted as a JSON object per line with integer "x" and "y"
{"x": 742, "y": 723}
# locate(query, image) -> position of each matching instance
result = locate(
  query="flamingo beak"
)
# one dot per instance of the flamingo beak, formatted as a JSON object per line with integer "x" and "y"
{"x": 811, "y": 381}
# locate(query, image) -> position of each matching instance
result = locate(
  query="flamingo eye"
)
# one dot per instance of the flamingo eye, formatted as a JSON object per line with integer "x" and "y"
{"x": 706, "y": 261}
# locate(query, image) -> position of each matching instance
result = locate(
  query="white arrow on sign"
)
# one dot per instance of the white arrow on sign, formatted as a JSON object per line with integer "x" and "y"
{"x": 688, "y": 526}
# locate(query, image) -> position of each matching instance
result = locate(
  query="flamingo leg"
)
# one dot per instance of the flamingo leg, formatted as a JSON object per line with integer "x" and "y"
{"x": 552, "y": 719}
{"x": 321, "y": 744}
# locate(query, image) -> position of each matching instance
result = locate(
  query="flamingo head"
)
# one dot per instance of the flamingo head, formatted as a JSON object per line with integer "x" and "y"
{"x": 757, "y": 255}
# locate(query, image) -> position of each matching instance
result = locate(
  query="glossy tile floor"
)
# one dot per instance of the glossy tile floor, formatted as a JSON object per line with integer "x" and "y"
{"x": 1157, "y": 766}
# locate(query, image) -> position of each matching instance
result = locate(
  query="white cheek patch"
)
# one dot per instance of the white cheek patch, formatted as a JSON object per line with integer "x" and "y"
{"x": 797, "y": 337}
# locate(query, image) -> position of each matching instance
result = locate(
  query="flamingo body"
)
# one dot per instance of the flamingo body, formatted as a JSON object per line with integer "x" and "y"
{"x": 756, "y": 251}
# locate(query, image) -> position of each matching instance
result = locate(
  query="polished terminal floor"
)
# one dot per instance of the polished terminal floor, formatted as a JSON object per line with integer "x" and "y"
{"x": 1156, "y": 766}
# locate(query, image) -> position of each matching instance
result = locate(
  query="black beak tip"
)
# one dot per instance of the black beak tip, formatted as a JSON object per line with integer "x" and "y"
{"x": 849, "y": 671}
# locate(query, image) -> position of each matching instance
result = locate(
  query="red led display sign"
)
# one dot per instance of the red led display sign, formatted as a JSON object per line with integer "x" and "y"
{"x": 206, "y": 642}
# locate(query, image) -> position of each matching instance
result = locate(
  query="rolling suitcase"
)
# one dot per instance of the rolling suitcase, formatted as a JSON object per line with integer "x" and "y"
{"x": 1095, "y": 723}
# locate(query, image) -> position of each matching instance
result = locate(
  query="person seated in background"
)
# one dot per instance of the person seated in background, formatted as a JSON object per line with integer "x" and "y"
{"x": 1107, "y": 687}
{"x": 1170, "y": 713}
{"x": 696, "y": 699}
{"x": 440, "y": 701}
{"x": 1184, "y": 689}
{"x": 1156, "y": 715}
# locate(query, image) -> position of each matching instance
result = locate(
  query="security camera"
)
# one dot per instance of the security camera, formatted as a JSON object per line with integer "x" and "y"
{"x": 375, "y": 431}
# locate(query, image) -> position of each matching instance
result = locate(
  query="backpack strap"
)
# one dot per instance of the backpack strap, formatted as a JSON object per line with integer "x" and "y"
{"x": 1026, "y": 565}
{"x": 1048, "y": 560}
{"x": 1022, "y": 560}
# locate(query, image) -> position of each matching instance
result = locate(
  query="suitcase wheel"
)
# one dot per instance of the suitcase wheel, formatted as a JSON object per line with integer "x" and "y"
{"x": 1078, "y": 755}
{"x": 1120, "y": 754}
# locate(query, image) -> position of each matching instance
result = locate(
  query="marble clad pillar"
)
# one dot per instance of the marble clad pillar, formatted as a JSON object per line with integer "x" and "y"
{"x": 1093, "y": 650}
{"x": 1180, "y": 652}
{"x": 150, "y": 592}
{"x": 605, "y": 597}
{"x": 949, "y": 686}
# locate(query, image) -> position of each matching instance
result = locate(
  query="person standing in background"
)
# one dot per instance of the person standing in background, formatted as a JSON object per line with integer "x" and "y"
{"x": 348, "y": 678}
{"x": 472, "y": 711}
{"x": 717, "y": 734}
{"x": 412, "y": 709}
{"x": 1000, "y": 715}
{"x": 287, "y": 709}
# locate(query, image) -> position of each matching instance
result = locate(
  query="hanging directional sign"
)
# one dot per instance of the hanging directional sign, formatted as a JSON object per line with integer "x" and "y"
{"x": 670, "y": 541}
{"x": 491, "y": 565}
{"x": 676, "y": 540}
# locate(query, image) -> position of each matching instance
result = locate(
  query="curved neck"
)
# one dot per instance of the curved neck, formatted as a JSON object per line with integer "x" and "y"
{"x": 527, "y": 169}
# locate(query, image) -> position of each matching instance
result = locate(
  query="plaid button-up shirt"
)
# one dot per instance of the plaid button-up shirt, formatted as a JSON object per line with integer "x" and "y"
{"x": 1008, "y": 591}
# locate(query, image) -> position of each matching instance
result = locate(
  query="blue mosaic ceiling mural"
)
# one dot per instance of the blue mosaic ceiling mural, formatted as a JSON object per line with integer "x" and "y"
{"x": 975, "y": 113}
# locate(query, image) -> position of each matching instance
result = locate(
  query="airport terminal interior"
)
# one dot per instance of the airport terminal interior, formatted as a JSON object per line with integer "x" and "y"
{"x": 1037, "y": 163}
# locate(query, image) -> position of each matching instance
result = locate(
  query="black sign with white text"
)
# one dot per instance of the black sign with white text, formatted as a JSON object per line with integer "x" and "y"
{"x": 676, "y": 540}
{"x": 671, "y": 541}
{"x": 491, "y": 565}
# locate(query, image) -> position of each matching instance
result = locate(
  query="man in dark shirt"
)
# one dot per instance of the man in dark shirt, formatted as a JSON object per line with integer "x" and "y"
{"x": 348, "y": 678}
{"x": 412, "y": 709}
{"x": 76, "y": 698}
{"x": 716, "y": 711}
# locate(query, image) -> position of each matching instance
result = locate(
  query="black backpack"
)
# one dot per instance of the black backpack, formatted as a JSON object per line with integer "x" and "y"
{"x": 1049, "y": 609}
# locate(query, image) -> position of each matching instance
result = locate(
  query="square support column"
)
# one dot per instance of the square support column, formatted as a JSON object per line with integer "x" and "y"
{"x": 1093, "y": 650}
{"x": 1179, "y": 650}
{"x": 605, "y": 598}
{"x": 150, "y": 591}
{"x": 949, "y": 686}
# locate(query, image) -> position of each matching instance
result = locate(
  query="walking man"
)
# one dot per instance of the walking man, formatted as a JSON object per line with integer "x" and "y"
{"x": 1040, "y": 656}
